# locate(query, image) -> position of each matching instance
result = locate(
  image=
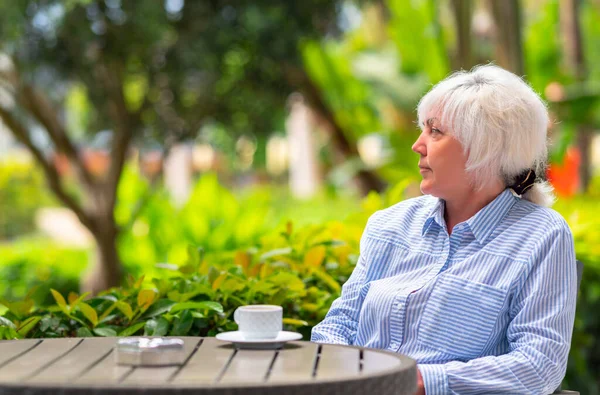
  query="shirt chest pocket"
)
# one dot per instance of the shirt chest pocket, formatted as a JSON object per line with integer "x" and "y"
{"x": 459, "y": 316}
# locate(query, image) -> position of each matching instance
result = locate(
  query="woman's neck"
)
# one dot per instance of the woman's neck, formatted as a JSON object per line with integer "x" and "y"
{"x": 464, "y": 205}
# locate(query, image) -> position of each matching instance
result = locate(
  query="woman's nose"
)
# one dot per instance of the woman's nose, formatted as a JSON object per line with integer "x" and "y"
{"x": 419, "y": 146}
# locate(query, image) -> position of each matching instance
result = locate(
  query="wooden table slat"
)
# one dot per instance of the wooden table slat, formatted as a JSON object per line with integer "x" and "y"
{"x": 76, "y": 362}
{"x": 249, "y": 366}
{"x": 375, "y": 362}
{"x": 295, "y": 362}
{"x": 27, "y": 364}
{"x": 104, "y": 373}
{"x": 206, "y": 364}
{"x": 159, "y": 375}
{"x": 336, "y": 362}
{"x": 12, "y": 348}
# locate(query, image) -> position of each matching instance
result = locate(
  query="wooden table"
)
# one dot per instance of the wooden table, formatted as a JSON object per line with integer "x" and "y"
{"x": 87, "y": 366}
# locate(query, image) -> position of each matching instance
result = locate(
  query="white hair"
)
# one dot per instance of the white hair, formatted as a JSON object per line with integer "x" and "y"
{"x": 500, "y": 122}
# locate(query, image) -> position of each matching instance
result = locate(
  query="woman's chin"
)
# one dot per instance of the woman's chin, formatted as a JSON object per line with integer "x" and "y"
{"x": 426, "y": 188}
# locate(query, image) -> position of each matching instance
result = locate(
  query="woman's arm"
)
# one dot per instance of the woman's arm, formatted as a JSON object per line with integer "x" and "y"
{"x": 341, "y": 322}
{"x": 539, "y": 334}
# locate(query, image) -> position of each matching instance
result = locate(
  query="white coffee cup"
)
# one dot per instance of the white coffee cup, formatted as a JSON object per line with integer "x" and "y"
{"x": 259, "y": 321}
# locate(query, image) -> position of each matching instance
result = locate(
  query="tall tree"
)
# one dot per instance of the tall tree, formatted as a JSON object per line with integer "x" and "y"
{"x": 509, "y": 47}
{"x": 152, "y": 75}
{"x": 575, "y": 61}
{"x": 463, "y": 13}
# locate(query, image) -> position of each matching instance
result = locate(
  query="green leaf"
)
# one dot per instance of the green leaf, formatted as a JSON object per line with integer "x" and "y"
{"x": 7, "y": 333}
{"x": 183, "y": 324}
{"x": 125, "y": 308}
{"x": 197, "y": 306}
{"x": 74, "y": 300}
{"x": 328, "y": 280}
{"x": 89, "y": 313}
{"x": 105, "y": 332}
{"x": 294, "y": 322}
{"x": 6, "y": 322}
{"x": 84, "y": 332}
{"x": 213, "y": 273}
{"x": 60, "y": 301}
{"x": 146, "y": 298}
{"x": 20, "y": 309}
{"x": 161, "y": 306}
{"x": 274, "y": 253}
{"x": 28, "y": 325}
{"x": 156, "y": 327}
{"x": 132, "y": 329}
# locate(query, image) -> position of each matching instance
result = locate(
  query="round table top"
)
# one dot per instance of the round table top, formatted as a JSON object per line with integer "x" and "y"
{"x": 88, "y": 365}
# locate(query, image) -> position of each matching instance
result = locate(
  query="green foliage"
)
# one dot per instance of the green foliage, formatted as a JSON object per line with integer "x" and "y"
{"x": 22, "y": 191}
{"x": 583, "y": 217}
{"x": 32, "y": 266}
{"x": 416, "y": 32}
{"x": 213, "y": 218}
{"x": 300, "y": 270}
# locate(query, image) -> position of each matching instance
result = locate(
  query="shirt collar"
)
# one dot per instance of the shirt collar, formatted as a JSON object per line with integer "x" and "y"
{"x": 483, "y": 223}
{"x": 435, "y": 216}
{"x": 488, "y": 218}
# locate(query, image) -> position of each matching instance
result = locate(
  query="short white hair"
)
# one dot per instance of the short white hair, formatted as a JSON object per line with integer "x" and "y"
{"x": 500, "y": 122}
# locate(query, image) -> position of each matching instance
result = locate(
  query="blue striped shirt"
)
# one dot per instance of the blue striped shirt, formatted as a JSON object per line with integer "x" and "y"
{"x": 488, "y": 309}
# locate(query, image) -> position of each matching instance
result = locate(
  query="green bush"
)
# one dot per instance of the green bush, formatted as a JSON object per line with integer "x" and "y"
{"x": 302, "y": 271}
{"x": 583, "y": 215}
{"x": 22, "y": 191}
{"x": 32, "y": 266}
{"x": 213, "y": 217}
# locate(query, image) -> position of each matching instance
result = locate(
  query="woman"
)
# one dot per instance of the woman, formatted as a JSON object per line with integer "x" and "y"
{"x": 476, "y": 280}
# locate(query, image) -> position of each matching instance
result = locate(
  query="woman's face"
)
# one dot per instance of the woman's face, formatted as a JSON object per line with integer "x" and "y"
{"x": 442, "y": 161}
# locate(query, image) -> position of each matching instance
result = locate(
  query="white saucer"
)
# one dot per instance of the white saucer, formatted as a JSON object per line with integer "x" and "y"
{"x": 240, "y": 341}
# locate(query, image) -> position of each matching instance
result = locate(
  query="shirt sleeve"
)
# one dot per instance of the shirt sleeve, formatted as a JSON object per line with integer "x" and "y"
{"x": 539, "y": 334}
{"x": 341, "y": 322}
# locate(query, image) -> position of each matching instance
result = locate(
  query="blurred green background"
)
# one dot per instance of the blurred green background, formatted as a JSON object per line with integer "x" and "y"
{"x": 180, "y": 153}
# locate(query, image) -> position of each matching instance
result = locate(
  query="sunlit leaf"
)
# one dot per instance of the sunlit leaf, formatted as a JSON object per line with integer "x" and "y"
{"x": 60, "y": 301}
{"x": 72, "y": 298}
{"x": 315, "y": 256}
{"x": 89, "y": 313}
{"x": 27, "y": 325}
{"x": 146, "y": 297}
{"x": 125, "y": 308}
{"x": 294, "y": 322}
{"x": 219, "y": 280}
{"x": 131, "y": 330}
{"x": 214, "y": 306}
{"x": 274, "y": 253}
{"x": 242, "y": 259}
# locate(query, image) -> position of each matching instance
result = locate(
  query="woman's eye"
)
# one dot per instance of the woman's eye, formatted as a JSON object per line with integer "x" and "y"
{"x": 435, "y": 131}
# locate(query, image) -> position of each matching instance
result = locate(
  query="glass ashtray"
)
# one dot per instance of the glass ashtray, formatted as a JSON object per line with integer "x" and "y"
{"x": 149, "y": 351}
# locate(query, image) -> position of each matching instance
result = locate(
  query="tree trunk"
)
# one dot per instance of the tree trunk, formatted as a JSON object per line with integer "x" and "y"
{"x": 463, "y": 12}
{"x": 105, "y": 269}
{"x": 509, "y": 49}
{"x": 574, "y": 59}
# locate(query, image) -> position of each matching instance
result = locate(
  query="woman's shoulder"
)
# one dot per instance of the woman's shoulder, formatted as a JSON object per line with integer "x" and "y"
{"x": 538, "y": 217}
{"x": 405, "y": 216}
